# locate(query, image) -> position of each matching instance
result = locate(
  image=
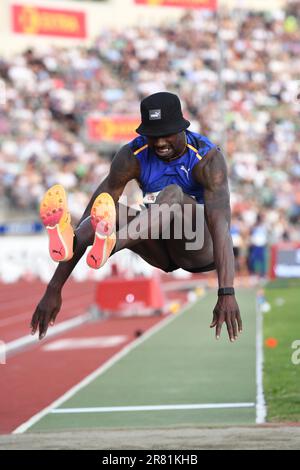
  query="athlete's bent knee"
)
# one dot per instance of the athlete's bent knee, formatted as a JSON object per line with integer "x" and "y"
{"x": 171, "y": 194}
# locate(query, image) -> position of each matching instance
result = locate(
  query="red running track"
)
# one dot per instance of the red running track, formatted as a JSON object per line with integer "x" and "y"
{"x": 19, "y": 300}
{"x": 33, "y": 378}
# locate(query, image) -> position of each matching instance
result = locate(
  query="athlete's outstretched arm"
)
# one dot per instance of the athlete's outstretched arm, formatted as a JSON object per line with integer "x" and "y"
{"x": 212, "y": 173}
{"x": 124, "y": 167}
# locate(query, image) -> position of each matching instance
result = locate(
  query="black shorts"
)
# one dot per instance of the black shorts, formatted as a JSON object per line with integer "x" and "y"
{"x": 209, "y": 267}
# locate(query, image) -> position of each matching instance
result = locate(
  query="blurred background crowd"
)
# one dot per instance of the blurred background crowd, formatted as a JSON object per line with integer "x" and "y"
{"x": 238, "y": 80}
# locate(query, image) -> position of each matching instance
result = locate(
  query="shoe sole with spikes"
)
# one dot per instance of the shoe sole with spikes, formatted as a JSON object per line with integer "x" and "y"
{"x": 103, "y": 220}
{"x": 57, "y": 221}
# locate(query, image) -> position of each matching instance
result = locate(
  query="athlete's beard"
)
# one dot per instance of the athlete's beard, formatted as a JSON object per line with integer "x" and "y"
{"x": 175, "y": 157}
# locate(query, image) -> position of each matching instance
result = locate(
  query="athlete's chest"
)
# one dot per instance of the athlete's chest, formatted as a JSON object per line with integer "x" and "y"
{"x": 156, "y": 175}
{"x": 180, "y": 170}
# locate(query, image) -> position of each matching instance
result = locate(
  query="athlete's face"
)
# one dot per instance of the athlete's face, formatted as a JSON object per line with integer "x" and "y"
{"x": 168, "y": 147}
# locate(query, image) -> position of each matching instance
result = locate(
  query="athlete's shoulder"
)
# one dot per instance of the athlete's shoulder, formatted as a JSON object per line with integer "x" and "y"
{"x": 200, "y": 143}
{"x": 124, "y": 165}
{"x": 138, "y": 144}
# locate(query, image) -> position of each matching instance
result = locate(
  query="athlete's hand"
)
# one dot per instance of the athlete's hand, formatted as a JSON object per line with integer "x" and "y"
{"x": 46, "y": 311}
{"x": 227, "y": 310}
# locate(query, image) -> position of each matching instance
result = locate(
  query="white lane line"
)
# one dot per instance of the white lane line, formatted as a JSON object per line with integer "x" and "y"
{"x": 28, "y": 314}
{"x": 112, "y": 409}
{"x": 261, "y": 411}
{"x": 27, "y": 340}
{"x": 69, "y": 344}
{"x": 103, "y": 368}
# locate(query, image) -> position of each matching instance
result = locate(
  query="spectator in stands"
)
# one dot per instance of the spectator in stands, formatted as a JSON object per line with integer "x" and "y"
{"x": 50, "y": 93}
{"x": 258, "y": 248}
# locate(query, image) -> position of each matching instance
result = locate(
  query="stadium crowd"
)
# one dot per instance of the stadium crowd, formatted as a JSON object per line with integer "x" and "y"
{"x": 236, "y": 77}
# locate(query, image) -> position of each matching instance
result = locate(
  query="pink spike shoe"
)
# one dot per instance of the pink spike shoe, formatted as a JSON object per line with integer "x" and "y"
{"x": 57, "y": 221}
{"x": 103, "y": 219}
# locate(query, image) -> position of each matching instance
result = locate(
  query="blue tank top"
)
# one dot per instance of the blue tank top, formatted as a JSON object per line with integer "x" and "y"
{"x": 156, "y": 175}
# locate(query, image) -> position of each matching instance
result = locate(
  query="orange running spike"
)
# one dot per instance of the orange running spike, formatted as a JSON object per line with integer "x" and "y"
{"x": 103, "y": 219}
{"x": 57, "y": 220}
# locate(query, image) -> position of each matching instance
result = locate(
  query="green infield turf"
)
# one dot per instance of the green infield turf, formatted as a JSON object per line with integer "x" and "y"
{"x": 178, "y": 366}
{"x": 281, "y": 375}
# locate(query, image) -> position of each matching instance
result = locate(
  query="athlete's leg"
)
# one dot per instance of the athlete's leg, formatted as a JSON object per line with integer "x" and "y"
{"x": 172, "y": 207}
{"x": 152, "y": 251}
{"x": 186, "y": 255}
{"x": 163, "y": 251}
{"x": 155, "y": 220}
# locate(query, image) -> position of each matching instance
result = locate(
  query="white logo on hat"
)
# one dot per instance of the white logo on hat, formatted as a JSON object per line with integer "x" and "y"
{"x": 154, "y": 114}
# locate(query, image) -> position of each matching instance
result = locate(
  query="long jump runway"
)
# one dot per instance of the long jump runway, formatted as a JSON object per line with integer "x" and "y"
{"x": 175, "y": 387}
{"x": 175, "y": 375}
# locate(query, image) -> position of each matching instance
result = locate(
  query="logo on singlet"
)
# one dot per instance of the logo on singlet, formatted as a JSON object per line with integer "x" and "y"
{"x": 185, "y": 170}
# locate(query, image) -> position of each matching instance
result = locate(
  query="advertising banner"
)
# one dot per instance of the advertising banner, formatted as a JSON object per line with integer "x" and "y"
{"x": 39, "y": 21}
{"x": 111, "y": 128}
{"x": 285, "y": 260}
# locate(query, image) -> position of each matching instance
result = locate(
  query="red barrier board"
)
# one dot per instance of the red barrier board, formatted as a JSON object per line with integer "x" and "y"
{"x": 38, "y": 21}
{"x": 119, "y": 295}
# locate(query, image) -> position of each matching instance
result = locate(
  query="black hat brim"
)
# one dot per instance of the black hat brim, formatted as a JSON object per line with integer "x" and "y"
{"x": 161, "y": 131}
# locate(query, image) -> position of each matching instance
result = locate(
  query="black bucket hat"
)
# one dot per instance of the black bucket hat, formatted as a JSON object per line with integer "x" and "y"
{"x": 161, "y": 115}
